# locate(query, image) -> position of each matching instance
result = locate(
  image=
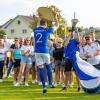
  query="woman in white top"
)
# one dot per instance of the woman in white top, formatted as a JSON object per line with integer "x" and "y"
{"x": 26, "y": 61}
{"x": 3, "y": 58}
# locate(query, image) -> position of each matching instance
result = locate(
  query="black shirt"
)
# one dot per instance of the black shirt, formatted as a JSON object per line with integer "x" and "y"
{"x": 58, "y": 53}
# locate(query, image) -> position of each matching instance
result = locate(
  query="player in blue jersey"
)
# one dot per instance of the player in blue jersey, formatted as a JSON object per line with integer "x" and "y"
{"x": 41, "y": 35}
{"x": 71, "y": 47}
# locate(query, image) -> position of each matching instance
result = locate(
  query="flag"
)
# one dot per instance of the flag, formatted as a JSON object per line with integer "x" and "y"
{"x": 88, "y": 75}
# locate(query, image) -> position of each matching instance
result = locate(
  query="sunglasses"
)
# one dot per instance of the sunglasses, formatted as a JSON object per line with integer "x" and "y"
{"x": 16, "y": 40}
{"x": 87, "y": 38}
{"x": 27, "y": 40}
{"x": 60, "y": 42}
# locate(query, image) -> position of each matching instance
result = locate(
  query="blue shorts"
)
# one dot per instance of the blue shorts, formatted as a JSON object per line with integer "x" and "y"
{"x": 26, "y": 60}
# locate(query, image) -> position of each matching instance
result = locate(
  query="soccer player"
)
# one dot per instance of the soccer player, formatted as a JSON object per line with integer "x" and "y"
{"x": 41, "y": 35}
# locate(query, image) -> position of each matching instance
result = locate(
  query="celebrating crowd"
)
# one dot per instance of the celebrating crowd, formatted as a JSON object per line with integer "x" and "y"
{"x": 41, "y": 55}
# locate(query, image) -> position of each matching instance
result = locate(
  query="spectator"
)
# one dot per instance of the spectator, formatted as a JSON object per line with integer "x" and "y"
{"x": 92, "y": 52}
{"x": 3, "y": 58}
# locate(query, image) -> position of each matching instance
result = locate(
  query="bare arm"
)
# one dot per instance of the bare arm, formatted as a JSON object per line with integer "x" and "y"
{"x": 55, "y": 23}
{"x": 79, "y": 38}
{"x": 97, "y": 53}
{"x": 12, "y": 55}
{"x": 68, "y": 39}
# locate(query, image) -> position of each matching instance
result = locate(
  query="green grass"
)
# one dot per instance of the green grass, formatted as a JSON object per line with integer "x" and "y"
{"x": 34, "y": 92}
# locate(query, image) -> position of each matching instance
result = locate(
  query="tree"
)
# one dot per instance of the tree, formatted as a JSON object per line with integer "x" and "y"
{"x": 63, "y": 23}
{"x": 2, "y": 33}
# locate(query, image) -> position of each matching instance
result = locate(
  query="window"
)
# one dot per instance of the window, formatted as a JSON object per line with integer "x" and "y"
{"x": 12, "y": 31}
{"x": 24, "y": 31}
{"x": 18, "y": 21}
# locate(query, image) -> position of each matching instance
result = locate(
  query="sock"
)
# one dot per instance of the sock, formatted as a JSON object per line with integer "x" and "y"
{"x": 49, "y": 72}
{"x": 42, "y": 77}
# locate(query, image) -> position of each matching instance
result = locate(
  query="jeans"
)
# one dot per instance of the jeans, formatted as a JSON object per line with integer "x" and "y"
{"x": 9, "y": 68}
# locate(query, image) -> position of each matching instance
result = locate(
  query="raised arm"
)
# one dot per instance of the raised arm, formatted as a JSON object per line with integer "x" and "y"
{"x": 68, "y": 39}
{"x": 55, "y": 22}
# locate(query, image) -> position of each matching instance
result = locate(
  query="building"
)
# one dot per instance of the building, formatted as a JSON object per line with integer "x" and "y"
{"x": 18, "y": 27}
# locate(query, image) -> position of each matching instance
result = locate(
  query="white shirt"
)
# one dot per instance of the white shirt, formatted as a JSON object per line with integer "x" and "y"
{"x": 26, "y": 48}
{"x": 2, "y": 53}
{"x": 7, "y": 44}
{"x": 91, "y": 50}
{"x": 81, "y": 51}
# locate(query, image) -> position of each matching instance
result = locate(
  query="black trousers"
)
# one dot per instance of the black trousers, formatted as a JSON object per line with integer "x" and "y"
{"x": 1, "y": 69}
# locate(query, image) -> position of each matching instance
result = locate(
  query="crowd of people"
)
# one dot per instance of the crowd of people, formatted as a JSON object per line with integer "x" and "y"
{"x": 41, "y": 55}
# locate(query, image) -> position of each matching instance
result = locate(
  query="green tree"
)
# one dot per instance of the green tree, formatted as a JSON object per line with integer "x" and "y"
{"x": 2, "y": 33}
{"x": 63, "y": 27}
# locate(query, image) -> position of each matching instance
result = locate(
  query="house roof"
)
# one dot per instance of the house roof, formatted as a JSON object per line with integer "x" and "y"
{"x": 5, "y": 24}
{"x": 27, "y": 18}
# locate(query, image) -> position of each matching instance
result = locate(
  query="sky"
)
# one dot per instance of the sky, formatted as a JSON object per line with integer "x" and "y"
{"x": 87, "y": 11}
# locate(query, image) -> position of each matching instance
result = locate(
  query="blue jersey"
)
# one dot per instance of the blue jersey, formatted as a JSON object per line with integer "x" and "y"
{"x": 71, "y": 48}
{"x": 41, "y": 35}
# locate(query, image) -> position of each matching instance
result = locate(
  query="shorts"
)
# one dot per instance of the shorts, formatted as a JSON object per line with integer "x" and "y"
{"x": 26, "y": 60}
{"x": 58, "y": 63}
{"x": 69, "y": 65}
{"x": 42, "y": 58}
{"x": 17, "y": 63}
{"x": 33, "y": 61}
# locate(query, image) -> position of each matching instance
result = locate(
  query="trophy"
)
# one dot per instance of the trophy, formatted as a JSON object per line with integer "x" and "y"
{"x": 46, "y": 13}
{"x": 74, "y": 22}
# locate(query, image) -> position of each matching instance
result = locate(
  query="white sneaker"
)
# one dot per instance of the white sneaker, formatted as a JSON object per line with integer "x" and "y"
{"x": 1, "y": 80}
{"x": 70, "y": 86}
{"x": 46, "y": 83}
{"x": 26, "y": 84}
{"x": 63, "y": 85}
{"x": 17, "y": 84}
{"x": 33, "y": 81}
{"x": 55, "y": 84}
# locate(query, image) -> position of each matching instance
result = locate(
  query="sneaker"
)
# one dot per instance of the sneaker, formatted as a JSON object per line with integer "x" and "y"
{"x": 26, "y": 84}
{"x": 63, "y": 89}
{"x": 17, "y": 84}
{"x": 52, "y": 86}
{"x": 46, "y": 83}
{"x": 1, "y": 80}
{"x": 78, "y": 89}
{"x": 44, "y": 90}
{"x": 63, "y": 85}
{"x": 33, "y": 81}
{"x": 70, "y": 86}
{"x": 55, "y": 84}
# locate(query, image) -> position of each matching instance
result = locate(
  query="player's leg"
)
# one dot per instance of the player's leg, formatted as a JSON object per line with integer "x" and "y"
{"x": 49, "y": 70}
{"x": 40, "y": 65}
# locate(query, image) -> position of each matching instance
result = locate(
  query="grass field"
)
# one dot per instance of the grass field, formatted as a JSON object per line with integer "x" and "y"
{"x": 34, "y": 92}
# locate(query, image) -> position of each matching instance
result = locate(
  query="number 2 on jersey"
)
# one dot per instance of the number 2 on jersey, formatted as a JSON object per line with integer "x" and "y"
{"x": 39, "y": 37}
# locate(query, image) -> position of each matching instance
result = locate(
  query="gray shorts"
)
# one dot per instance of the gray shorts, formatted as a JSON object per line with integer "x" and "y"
{"x": 58, "y": 63}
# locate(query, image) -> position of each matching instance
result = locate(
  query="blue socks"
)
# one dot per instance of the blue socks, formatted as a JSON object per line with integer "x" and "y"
{"x": 49, "y": 73}
{"x": 42, "y": 77}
